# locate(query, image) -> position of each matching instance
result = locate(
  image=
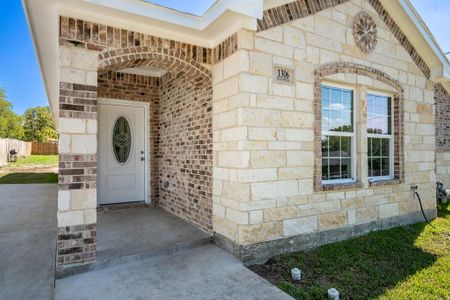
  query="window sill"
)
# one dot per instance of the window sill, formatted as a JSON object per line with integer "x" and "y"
{"x": 341, "y": 186}
{"x": 384, "y": 182}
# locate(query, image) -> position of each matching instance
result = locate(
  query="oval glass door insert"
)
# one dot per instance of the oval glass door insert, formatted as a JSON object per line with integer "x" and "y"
{"x": 122, "y": 140}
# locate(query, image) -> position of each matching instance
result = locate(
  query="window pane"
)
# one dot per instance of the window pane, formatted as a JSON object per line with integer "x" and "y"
{"x": 325, "y": 98}
{"x": 376, "y": 147}
{"x": 347, "y": 121}
{"x": 385, "y": 167}
{"x": 325, "y": 174}
{"x": 378, "y": 114}
{"x": 346, "y": 168}
{"x": 347, "y": 100}
{"x": 346, "y": 147}
{"x": 385, "y": 149}
{"x": 376, "y": 167}
{"x": 335, "y": 147}
{"x": 325, "y": 146}
{"x": 335, "y": 120}
{"x": 325, "y": 120}
{"x": 335, "y": 172}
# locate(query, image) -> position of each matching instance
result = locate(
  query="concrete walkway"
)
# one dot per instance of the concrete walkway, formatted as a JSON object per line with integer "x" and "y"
{"x": 27, "y": 241}
{"x": 207, "y": 272}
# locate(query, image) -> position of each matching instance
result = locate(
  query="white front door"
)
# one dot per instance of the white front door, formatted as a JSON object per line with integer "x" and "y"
{"x": 122, "y": 152}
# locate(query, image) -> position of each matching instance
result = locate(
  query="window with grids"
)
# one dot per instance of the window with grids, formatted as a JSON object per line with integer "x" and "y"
{"x": 380, "y": 140}
{"x": 338, "y": 135}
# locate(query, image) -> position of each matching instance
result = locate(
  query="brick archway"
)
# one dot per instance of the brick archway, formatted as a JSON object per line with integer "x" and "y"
{"x": 375, "y": 74}
{"x": 175, "y": 61}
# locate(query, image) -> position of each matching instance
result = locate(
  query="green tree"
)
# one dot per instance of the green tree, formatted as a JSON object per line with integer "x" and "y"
{"x": 11, "y": 125}
{"x": 39, "y": 125}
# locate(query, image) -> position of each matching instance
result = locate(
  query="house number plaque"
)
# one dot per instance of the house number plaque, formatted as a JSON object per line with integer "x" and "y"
{"x": 283, "y": 75}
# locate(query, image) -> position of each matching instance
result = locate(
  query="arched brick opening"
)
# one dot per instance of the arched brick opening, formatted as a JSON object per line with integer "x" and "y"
{"x": 174, "y": 61}
{"x": 180, "y": 124}
{"x": 375, "y": 74}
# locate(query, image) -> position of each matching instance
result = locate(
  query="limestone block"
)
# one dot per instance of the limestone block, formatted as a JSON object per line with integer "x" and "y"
{"x": 83, "y": 199}
{"x": 63, "y": 200}
{"x": 224, "y": 227}
{"x": 90, "y": 216}
{"x": 64, "y": 143}
{"x": 255, "y": 216}
{"x": 272, "y": 102}
{"x": 274, "y": 189}
{"x": 261, "y": 64}
{"x": 218, "y": 210}
{"x": 300, "y": 226}
{"x": 260, "y": 204}
{"x": 305, "y": 186}
{"x": 70, "y": 125}
{"x": 91, "y": 78}
{"x": 294, "y": 37}
{"x": 251, "y": 234}
{"x": 234, "y": 134}
{"x": 246, "y": 39}
{"x": 300, "y": 158}
{"x": 351, "y": 217}
{"x": 274, "y": 33}
{"x": 267, "y": 159}
{"x": 318, "y": 208}
{"x": 297, "y": 119}
{"x": 236, "y": 191}
{"x": 257, "y": 175}
{"x": 284, "y": 90}
{"x": 225, "y": 120}
{"x": 72, "y": 76}
{"x": 226, "y": 88}
{"x": 280, "y": 213}
{"x": 295, "y": 173}
{"x": 84, "y": 59}
{"x": 305, "y": 91}
{"x": 274, "y": 48}
{"x": 389, "y": 210}
{"x": 236, "y": 63}
{"x": 234, "y": 159}
{"x": 262, "y": 134}
{"x": 332, "y": 220}
{"x": 84, "y": 144}
{"x": 299, "y": 135}
{"x": 367, "y": 214}
{"x": 259, "y": 117}
{"x": 70, "y": 218}
{"x": 253, "y": 83}
{"x": 236, "y": 216}
{"x": 91, "y": 126}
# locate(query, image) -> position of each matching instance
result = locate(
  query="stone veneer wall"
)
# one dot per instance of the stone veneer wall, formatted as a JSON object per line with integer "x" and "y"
{"x": 442, "y": 99}
{"x": 142, "y": 89}
{"x": 264, "y": 139}
{"x": 185, "y": 164}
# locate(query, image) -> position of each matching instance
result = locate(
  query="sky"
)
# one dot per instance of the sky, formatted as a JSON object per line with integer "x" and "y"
{"x": 19, "y": 71}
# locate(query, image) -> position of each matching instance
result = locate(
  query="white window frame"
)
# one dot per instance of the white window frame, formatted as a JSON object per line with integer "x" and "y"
{"x": 343, "y": 134}
{"x": 391, "y": 138}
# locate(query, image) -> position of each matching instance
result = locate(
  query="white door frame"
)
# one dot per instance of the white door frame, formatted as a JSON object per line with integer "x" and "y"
{"x": 146, "y": 106}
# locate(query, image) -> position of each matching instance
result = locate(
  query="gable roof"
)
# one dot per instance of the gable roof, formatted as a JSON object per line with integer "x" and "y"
{"x": 222, "y": 19}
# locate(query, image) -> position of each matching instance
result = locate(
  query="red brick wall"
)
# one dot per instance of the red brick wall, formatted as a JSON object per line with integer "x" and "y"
{"x": 185, "y": 166}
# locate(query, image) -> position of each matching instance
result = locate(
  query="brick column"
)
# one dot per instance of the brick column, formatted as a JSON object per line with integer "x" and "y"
{"x": 77, "y": 196}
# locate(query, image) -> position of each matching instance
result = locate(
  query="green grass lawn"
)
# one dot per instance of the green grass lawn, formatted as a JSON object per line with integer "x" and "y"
{"x": 411, "y": 262}
{"x": 35, "y": 160}
{"x": 33, "y": 169}
{"x": 28, "y": 178}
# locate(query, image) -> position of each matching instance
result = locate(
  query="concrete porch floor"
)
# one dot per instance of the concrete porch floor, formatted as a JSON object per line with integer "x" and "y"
{"x": 143, "y": 232}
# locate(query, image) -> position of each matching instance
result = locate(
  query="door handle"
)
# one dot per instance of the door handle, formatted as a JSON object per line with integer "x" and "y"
{"x": 142, "y": 158}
